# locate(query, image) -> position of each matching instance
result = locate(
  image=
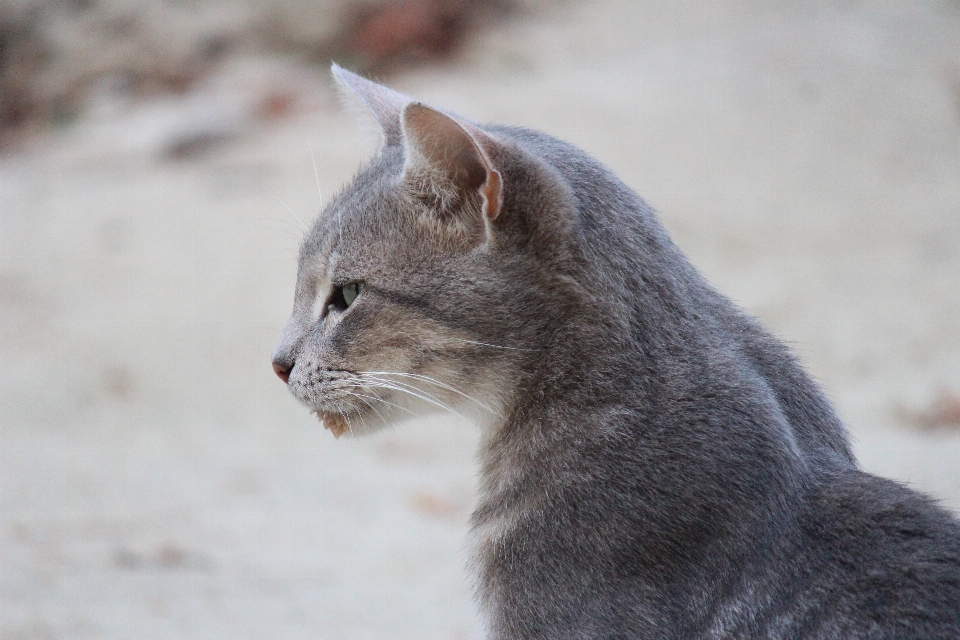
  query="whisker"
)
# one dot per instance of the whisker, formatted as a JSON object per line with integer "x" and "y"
{"x": 409, "y": 385}
{"x": 363, "y": 422}
{"x": 303, "y": 226}
{"x": 284, "y": 230}
{"x": 409, "y": 389}
{"x": 379, "y": 399}
{"x": 288, "y": 226}
{"x": 364, "y": 401}
{"x": 494, "y": 346}
{"x": 405, "y": 385}
{"x": 444, "y": 385}
{"x": 345, "y": 417}
{"x": 320, "y": 193}
{"x": 357, "y": 414}
{"x": 391, "y": 384}
{"x": 316, "y": 174}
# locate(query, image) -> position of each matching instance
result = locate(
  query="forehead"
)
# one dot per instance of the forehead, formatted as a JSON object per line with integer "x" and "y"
{"x": 363, "y": 223}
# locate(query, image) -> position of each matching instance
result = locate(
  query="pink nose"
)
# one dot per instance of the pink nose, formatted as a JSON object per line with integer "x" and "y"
{"x": 281, "y": 371}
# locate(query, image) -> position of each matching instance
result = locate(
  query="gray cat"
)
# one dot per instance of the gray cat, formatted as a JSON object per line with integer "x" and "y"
{"x": 654, "y": 464}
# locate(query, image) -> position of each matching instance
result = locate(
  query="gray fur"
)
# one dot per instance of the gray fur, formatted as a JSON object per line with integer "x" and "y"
{"x": 654, "y": 464}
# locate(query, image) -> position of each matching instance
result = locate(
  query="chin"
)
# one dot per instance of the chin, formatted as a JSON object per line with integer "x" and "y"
{"x": 353, "y": 424}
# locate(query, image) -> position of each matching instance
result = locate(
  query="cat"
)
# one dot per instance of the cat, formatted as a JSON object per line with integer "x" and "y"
{"x": 653, "y": 463}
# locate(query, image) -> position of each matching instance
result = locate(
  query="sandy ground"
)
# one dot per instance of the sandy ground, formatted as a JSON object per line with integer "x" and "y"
{"x": 159, "y": 482}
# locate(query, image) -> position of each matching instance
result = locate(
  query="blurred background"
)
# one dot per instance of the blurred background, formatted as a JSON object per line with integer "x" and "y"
{"x": 159, "y": 161}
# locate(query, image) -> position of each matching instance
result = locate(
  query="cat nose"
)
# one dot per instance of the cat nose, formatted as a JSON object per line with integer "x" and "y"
{"x": 282, "y": 370}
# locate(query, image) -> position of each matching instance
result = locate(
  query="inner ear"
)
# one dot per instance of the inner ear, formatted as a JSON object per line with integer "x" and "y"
{"x": 442, "y": 150}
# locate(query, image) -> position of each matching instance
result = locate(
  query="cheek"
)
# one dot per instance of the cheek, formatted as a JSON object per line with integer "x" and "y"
{"x": 380, "y": 337}
{"x": 375, "y": 337}
{"x": 368, "y": 344}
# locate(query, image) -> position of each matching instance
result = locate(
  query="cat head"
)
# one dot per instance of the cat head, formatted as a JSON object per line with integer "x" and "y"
{"x": 434, "y": 280}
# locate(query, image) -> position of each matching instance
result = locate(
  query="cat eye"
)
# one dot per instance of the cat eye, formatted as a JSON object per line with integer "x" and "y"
{"x": 343, "y": 296}
{"x": 350, "y": 292}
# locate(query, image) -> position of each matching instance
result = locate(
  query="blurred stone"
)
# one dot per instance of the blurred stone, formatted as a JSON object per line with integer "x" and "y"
{"x": 168, "y": 556}
{"x": 434, "y": 506}
{"x": 943, "y": 413}
{"x": 396, "y": 30}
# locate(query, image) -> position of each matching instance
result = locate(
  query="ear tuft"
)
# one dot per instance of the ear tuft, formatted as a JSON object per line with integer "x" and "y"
{"x": 384, "y": 104}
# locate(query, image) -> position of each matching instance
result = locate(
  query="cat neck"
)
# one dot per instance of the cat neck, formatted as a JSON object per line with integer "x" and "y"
{"x": 667, "y": 428}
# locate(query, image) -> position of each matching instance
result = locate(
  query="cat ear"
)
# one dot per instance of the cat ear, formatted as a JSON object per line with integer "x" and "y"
{"x": 385, "y": 105}
{"x": 452, "y": 153}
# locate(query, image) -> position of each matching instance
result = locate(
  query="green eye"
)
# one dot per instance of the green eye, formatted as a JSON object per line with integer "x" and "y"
{"x": 351, "y": 291}
{"x": 343, "y": 296}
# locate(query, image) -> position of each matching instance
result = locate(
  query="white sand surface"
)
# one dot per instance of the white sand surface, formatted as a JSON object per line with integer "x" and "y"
{"x": 159, "y": 482}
